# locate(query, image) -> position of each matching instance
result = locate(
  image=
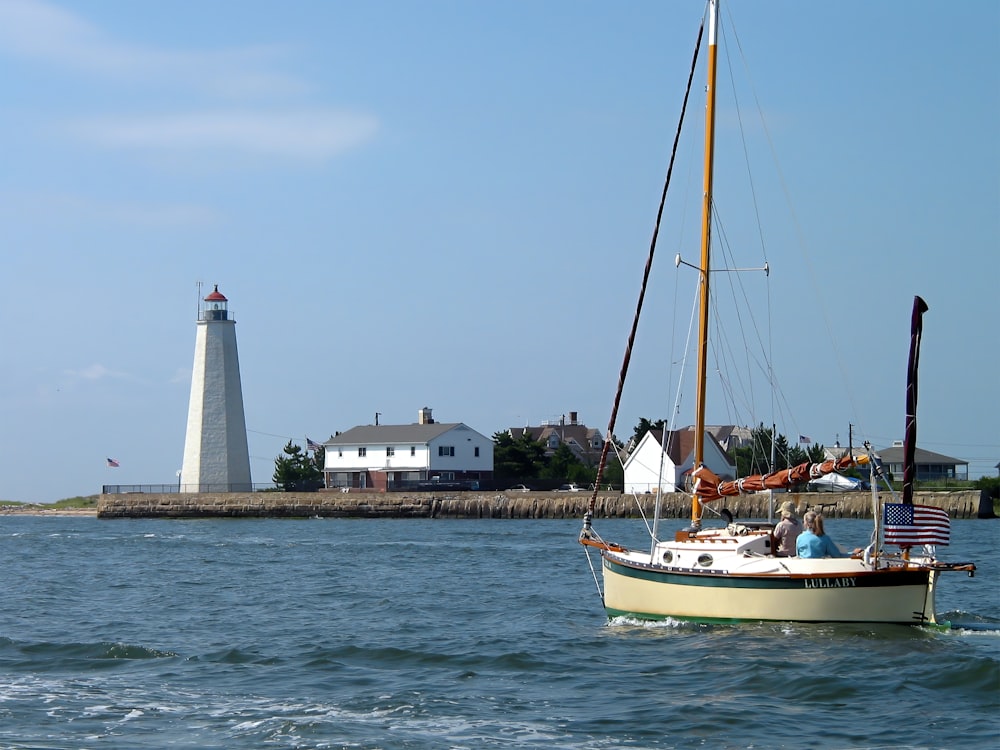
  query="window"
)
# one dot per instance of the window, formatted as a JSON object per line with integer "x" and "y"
{"x": 362, "y": 452}
{"x": 413, "y": 450}
{"x": 340, "y": 452}
{"x": 477, "y": 451}
{"x": 446, "y": 450}
{"x": 390, "y": 451}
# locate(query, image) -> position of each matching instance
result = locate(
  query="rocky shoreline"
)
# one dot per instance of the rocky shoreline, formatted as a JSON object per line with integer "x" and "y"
{"x": 41, "y": 510}
{"x": 534, "y": 505}
{"x": 531, "y": 505}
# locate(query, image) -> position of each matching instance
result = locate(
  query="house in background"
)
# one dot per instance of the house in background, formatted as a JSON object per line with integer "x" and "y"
{"x": 585, "y": 442}
{"x": 399, "y": 457}
{"x": 929, "y": 465}
{"x": 642, "y": 467}
{"x": 729, "y": 436}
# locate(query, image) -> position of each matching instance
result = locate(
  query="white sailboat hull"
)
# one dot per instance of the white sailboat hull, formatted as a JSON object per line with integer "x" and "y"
{"x": 737, "y": 588}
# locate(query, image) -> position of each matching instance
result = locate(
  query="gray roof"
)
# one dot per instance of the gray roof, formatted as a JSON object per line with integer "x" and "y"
{"x": 895, "y": 455}
{"x": 382, "y": 434}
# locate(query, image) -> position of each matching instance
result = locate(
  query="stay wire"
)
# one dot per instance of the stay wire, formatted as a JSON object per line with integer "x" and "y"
{"x": 645, "y": 279}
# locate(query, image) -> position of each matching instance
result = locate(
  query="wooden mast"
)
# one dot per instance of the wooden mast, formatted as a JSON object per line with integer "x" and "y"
{"x": 706, "y": 232}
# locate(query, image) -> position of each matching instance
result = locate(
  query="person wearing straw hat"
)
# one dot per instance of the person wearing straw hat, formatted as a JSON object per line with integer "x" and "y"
{"x": 786, "y": 532}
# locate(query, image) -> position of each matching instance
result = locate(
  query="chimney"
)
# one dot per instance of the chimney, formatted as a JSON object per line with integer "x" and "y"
{"x": 572, "y": 417}
{"x": 424, "y": 416}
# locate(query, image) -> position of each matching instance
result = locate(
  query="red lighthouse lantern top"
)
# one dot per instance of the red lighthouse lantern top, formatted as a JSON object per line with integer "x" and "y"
{"x": 216, "y": 296}
{"x": 216, "y": 306}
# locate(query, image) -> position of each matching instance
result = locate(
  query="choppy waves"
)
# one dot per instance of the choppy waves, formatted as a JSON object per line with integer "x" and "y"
{"x": 424, "y": 635}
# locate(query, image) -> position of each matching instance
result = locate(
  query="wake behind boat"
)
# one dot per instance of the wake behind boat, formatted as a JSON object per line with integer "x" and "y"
{"x": 732, "y": 573}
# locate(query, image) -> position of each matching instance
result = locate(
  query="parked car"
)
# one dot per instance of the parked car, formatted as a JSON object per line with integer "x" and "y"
{"x": 518, "y": 488}
{"x": 571, "y": 488}
{"x": 835, "y": 482}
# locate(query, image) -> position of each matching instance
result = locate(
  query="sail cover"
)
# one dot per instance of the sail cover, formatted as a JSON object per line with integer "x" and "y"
{"x": 708, "y": 486}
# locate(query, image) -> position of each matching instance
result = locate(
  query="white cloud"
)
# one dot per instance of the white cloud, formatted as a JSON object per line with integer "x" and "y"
{"x": 88, "y": 209}
{"x": 95, "y": 372}
{"x": 42, "y": 32}
{"x": 181, "y": 375}
{"x": 302, "y": 135}
{"x": 35, "y": 30}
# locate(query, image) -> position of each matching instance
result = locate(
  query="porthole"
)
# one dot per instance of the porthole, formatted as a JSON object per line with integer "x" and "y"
{"x": 668, "y": 557}
{"x": 705, "y": 560}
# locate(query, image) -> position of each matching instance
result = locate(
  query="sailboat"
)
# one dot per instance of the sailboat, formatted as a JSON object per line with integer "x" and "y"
{"x": 732, "y": 573}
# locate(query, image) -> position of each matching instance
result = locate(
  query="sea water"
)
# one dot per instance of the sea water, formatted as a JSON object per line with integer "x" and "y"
{"x": 448, "y": 634}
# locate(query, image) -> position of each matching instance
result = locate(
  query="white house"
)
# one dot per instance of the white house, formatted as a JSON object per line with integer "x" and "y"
{"x": 389, "y": 457}
{"x": 642, "y": 467}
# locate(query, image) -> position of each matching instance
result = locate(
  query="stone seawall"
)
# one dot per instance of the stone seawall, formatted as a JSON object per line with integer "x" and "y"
{"x": 965, "y": 504}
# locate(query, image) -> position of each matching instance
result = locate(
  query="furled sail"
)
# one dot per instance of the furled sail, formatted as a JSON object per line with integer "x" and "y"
{"x": 708, "y": 486}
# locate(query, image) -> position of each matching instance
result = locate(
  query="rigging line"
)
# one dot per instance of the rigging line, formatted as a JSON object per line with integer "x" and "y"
{"x": 670, "y": 424}
{"x": 594, "y": 574}
{"x": 743, "y": 140}
{"x": 645, "y": 276}
{"x": 776, "y": 389}
{"x": 771, "y": 380}
{"x": 739, "y": 291}
{"x": 804, "y": 250}
{"x": 270, "y": 434}
{"x": 756, "y": 207}
{"x": 692, "y": 321}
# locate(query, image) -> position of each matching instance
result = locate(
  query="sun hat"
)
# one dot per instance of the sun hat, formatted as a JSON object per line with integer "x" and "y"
{"x": 788, "y": 508}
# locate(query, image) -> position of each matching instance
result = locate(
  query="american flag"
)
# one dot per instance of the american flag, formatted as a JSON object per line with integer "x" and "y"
{"x": 312, "y": 445}
{"x": 805, "y": 439}
{"x": 909, "y": 525}
{"x": 112, "y": 463}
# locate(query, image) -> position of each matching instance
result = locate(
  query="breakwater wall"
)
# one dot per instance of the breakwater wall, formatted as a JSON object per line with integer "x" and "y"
{"x": 964, "y": 504}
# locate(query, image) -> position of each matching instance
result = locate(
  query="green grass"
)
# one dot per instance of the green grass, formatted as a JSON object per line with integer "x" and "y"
{"x": 80, "y": 501}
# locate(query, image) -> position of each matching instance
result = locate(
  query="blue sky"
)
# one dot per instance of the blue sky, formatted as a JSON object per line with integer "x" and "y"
{"x": 449, "y": 204}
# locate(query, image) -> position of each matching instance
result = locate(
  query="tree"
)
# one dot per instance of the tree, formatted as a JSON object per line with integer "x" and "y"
{"x": 614, "y": 473}
{"x": 645, "y": 426}
{"x": 563, "y": 464}
{"x": 517, "y": 458}
{"x": 524, "y": 458}
{"x": 295, "y": 470}
{"x": 755, "y": 458}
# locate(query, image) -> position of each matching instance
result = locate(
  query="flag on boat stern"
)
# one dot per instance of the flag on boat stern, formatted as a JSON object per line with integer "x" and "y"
{"x": 908, "y": 525}
{"x": 112, "y": 463}
{"x": 312, "y": 445}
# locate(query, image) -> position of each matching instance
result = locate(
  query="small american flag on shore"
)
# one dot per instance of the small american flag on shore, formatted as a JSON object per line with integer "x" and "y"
{"x": 909, "y": 525}
{"x": 805, "y": 439}
{"x": 312, "y": 445}
{"x": 112, "y": 463}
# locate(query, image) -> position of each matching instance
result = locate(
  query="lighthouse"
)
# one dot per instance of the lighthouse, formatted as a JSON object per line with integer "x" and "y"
{"x": 216, "y": 457}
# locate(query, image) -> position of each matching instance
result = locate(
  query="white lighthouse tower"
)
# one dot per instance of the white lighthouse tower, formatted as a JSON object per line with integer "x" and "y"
{"x": 216, "y": 458}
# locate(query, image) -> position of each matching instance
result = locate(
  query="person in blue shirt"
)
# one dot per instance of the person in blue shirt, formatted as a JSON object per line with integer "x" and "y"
{"x": 813, "y": 541}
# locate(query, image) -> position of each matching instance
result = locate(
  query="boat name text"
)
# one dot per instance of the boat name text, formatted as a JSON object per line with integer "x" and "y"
{"x": 830, "y": 583}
